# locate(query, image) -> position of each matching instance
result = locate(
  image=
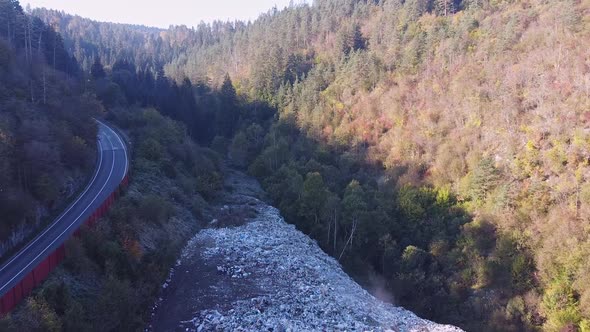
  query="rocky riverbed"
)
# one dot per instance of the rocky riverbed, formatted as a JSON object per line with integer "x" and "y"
{"x": 251, "y": 271}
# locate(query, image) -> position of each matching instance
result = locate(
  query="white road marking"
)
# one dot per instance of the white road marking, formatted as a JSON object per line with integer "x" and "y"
{"x": 62, "y": 215}
{"x": 122, "y": 144}
{"x": 76, "y": 220}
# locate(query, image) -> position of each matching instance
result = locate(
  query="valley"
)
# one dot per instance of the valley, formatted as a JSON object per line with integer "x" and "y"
{"x": 249, "y": 270}
{"x": 435, "y": 152}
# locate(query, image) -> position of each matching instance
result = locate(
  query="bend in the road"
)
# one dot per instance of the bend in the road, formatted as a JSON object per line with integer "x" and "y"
{"x": 106, "y": 178}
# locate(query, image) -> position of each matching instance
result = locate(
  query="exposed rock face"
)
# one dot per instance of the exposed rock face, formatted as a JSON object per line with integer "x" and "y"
{"x": 261, "y": 274}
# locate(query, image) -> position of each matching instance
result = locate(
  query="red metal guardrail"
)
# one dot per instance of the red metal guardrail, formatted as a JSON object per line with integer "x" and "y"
{"x": 42, "y": 270}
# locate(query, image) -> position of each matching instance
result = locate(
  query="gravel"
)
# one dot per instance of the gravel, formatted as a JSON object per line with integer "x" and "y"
{"x": 295, "y": 285}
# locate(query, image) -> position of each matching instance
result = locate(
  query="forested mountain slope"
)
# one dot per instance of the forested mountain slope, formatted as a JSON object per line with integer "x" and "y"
{"x": 47, "y": 136}
{"x": 443, "y": 145}
{"x": 145, "y": 46}
{"x": 113, "y": 271}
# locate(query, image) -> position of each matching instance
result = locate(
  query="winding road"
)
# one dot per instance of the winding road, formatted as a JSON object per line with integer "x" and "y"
{"x": 111, "y": 169}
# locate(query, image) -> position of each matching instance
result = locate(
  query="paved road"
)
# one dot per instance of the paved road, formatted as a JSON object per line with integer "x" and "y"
{"x": 112, "y": 166}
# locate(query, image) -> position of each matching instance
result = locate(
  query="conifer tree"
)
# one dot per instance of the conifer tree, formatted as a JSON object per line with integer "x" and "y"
{"x": 97, "y": 70}
{"x": 226, "y": 116}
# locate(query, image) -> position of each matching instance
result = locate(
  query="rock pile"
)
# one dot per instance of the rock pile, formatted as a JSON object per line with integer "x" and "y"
{"x": 305, "y": 289}
{"x": 265, "y": 275}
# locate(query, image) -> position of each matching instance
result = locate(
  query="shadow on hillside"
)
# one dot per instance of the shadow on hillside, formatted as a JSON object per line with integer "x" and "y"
{"x": 403, "y": 239}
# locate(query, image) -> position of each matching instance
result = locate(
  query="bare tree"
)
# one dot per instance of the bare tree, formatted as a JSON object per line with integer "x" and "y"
{"x": 445, "y": 7}
{"x": 349, "y": 241}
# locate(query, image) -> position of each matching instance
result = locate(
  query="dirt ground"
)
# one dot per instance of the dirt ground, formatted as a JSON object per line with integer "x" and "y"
{"x": 197, "y": 284}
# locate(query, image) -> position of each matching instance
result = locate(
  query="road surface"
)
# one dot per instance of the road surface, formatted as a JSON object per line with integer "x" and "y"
{"x": 111, "y": 167}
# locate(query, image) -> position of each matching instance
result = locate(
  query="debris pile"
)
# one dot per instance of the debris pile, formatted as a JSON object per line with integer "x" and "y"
{"x": 294, "y": 285}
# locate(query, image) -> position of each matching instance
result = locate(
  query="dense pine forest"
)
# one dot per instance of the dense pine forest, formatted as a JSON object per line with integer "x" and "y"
{"x": 437, "y": 147}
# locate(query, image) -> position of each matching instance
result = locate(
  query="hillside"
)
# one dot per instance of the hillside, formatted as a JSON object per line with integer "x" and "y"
{"x": 47, "y": 136}
{"x": 145, "y": 46}
{"x": 112, "y": 272}
{"x": 249, "y": 271}
{"x": 441, "y": 145}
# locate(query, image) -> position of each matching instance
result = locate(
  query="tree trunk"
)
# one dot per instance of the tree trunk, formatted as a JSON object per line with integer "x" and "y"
{"x": 335, "y": 229}
{"x": 26, "y": 44}
{"x": 349, "y": 241}
{"x": 30, "y": 27}
{"x": 32, "y": 91}
{"x": 44, "y": 88}
{"x": 39, "y": 41}
{"x": 329, "y": 232}
{"x": 578, "y": 202}
{"x": 54, "y": 49}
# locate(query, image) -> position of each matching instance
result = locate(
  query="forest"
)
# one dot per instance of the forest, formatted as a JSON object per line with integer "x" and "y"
{"x": 114, "y": 271}
{"x": 47, "y": 145}
{"x": 441, "y": 146}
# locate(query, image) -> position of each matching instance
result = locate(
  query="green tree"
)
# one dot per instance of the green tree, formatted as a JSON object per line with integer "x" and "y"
{"x": 331, "y": 214}
{"x": 354, "y": 207}
{"x": 560, "y": 305}
{"x": 227, "y": 114}
{"x": 350, "y": 38}
{"x": 151, "y": 149}
{"x": 413, "y": 258}
{"x": 483, "y": 179}
{"x": 97, "y": 70}
{"x": 238, "y": 150}
{"x": 313, "y": 197}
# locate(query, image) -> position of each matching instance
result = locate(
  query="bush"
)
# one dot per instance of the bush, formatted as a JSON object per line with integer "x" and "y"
{"x": 209, "y": 184}
{"x": 154, "y": 209}
{"x": 39, "y": 316}
{"x": 150, "y": 149}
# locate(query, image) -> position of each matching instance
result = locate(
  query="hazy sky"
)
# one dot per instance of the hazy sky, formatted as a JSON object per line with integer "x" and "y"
{"x": 162, "y": 13}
